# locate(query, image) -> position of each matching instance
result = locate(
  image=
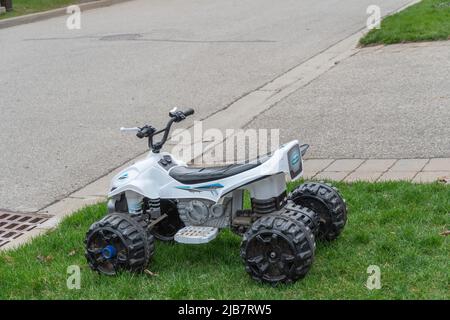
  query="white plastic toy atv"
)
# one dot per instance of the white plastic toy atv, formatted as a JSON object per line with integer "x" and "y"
{"x": 162, "y": 197}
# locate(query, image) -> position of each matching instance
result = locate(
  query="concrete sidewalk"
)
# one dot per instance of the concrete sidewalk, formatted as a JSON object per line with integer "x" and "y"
{"x": 383, "y": 102}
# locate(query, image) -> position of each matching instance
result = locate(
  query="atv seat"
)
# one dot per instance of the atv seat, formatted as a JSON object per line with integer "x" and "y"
{"x": 192, "y": 175}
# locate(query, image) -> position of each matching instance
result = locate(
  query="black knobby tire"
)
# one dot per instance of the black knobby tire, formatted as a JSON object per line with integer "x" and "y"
{"x": 124, "y": 234}
{"x": 169, "y": 226}
{"x": 277, "y": 249}
{"x": 326, "y": 201}
{"x": 304, "y": 215}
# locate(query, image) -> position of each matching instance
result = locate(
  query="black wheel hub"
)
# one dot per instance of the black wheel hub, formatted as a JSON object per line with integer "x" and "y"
{"x": 107, "y": 249}
{"x": 271, "y": 255}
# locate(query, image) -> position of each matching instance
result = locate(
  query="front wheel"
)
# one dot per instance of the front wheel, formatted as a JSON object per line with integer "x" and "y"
{"x": 118, "y": 242}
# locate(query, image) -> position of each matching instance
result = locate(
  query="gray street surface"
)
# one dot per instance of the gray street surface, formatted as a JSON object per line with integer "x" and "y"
{"x": 64, "y": 93}
{"x": 384, "y": 102}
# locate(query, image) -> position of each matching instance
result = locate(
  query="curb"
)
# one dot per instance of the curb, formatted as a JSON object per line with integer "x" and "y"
{"x": 38, "y": 16}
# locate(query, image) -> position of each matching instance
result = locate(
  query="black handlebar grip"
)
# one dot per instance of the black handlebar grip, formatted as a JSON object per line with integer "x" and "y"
{"x": 188, "y": 112}
{"x": 140, "y": 135}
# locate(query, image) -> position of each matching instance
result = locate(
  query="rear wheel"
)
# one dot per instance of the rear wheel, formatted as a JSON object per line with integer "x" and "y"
{"x": 304, "y": 215}
{"x": 118, "y": 242}
{"x": 277, "y": 249}
{"x": 326, "y": 201}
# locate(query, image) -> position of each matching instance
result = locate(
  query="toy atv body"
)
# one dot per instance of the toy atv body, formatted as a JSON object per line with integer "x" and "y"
{"x": 161, "y": 197}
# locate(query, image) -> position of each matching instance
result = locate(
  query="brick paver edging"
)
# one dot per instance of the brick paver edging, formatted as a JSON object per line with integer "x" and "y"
{"x": 350, "y": 170}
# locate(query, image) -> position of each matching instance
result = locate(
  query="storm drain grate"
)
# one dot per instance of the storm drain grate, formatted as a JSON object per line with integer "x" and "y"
{"x": 13, "y": 224}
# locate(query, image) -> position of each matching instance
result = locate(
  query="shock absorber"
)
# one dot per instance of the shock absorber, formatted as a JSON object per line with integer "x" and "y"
{"x": 154, "y": 208}
{"x": 265, "y": 206}
{"x": 134, "y": 202}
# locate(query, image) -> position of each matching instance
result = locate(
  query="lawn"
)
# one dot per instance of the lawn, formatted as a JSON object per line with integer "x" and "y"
{"x": 21, "y": 7}
{"x": 424, "y": 21}
{"x": 395, "y": 225}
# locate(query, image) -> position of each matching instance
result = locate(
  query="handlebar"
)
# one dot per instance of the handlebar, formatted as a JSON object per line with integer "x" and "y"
{"x": 148, "y": 131}
{"x": 133, "y": 129}
{"x": 188, "y": 112}
{"x": 178, "y": 116}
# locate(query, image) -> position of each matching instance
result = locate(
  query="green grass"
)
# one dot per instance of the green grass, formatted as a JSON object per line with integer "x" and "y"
{"x": 427, "y": 20}
{"x": 395, "y": 225}
{"x": 21, "y": 7}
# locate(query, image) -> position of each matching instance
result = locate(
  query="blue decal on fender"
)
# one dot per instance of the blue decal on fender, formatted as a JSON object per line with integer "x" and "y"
{"x": 124, "y": 176}
{"x": 207, "y": 187}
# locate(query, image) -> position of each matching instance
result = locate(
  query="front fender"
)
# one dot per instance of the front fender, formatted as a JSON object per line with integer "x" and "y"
{"x": 145, "y": 178}
{"x": 140, "y": 186}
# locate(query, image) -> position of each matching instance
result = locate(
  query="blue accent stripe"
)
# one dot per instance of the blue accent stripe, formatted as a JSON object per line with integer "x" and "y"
{"x": 203, "y": 187}
{"x": 214, "y": 185}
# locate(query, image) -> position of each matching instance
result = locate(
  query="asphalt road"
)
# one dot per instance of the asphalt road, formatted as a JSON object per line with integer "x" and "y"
{"x": 64, "y": 93}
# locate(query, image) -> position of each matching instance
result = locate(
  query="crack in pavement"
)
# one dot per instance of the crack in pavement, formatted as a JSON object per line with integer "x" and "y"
{"x": 139, "y": 38}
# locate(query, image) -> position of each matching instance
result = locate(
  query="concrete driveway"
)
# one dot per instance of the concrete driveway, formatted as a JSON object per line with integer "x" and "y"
{"x": 384, "y": 102}
{"x": 64, "y": 94}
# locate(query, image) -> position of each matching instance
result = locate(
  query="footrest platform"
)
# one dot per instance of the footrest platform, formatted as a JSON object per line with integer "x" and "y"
{"x": 196, "y": 234}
